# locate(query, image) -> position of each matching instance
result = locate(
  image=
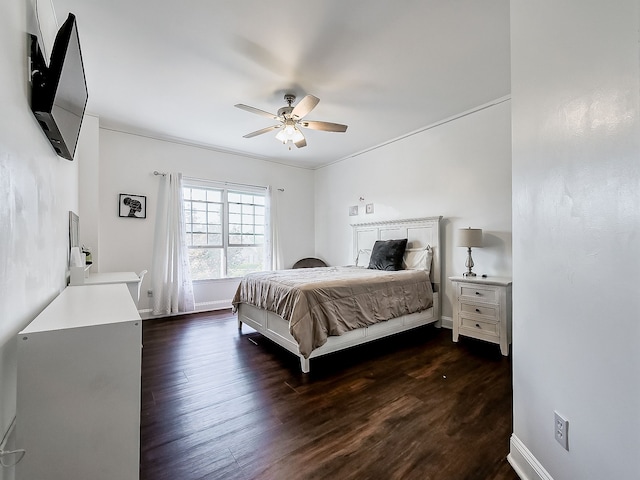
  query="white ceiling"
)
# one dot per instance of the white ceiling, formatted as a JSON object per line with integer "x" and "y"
{"x": 175, "y": 69}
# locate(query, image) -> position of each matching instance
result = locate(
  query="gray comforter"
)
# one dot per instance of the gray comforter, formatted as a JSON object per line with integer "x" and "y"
{"x": 318, "y": 302}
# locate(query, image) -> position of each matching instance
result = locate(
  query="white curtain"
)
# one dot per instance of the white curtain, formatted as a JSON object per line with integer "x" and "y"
{"x": 272, "y": 253}
{"x": 170, "y": 274}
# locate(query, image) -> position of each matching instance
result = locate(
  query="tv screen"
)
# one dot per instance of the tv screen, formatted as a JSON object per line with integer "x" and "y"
{"x": 59, "y": 92}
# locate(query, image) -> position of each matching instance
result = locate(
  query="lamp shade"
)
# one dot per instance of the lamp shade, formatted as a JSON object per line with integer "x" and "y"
{"x": 470, "y": 237}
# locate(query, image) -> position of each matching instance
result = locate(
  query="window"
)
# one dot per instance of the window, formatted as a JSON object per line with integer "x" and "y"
{"x": 225, "y": 229}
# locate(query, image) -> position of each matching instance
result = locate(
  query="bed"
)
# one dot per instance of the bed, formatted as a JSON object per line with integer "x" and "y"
{"x": 285, "y": 305}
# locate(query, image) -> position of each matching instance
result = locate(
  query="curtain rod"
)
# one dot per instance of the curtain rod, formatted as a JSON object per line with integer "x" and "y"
{"x": 233, "y": 184}
{"x": 155, "y": 172}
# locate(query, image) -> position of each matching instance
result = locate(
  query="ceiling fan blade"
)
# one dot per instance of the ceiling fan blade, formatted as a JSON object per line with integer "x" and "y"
{"x": 257, "y": 111}
{"x": 261, "y": 131}
{"x": 324, "y": 126}
{"x": 304, "y": 106}
{"x": 301, "y": 143}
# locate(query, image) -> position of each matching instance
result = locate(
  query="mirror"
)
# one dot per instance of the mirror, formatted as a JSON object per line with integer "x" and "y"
{"x": 74, "y": 229}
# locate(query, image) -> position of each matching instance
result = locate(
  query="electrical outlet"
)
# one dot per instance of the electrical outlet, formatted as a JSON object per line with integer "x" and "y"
{"x": 149, "y": 293}
{"x": 561, "y": 429}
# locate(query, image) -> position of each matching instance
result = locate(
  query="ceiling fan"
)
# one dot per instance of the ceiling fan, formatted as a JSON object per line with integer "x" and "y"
{"x": 291, "y": 118}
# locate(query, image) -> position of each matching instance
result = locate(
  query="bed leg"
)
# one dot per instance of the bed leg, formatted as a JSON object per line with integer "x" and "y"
{"x": 304, "y": 364}
{"x": 239, "y": 324}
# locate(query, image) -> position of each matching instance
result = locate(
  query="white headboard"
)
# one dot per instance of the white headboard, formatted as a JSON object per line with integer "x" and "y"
{"x": 419, "y": 232}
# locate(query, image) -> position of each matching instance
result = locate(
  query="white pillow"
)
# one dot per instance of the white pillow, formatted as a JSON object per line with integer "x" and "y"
{"x": 418, "y": 259}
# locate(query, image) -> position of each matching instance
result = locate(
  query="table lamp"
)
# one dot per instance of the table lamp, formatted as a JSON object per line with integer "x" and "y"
{"x": 469, "y": 237}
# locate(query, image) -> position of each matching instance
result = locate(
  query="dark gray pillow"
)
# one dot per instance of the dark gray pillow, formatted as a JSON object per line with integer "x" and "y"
{"x": 387, "y": 254}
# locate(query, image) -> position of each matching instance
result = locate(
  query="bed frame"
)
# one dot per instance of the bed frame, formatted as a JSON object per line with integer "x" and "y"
{"x": 419, "y": 233}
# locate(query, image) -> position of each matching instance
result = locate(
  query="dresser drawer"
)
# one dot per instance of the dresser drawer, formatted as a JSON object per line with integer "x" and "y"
{"x": 479, "y": 309}
{"x": 474, "y": 325}
{"x": 479, "y": 293}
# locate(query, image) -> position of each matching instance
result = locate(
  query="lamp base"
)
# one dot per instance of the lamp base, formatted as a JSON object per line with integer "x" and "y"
{"x": 469, "y": 265}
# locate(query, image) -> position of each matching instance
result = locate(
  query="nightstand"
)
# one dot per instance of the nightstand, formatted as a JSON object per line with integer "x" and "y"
{"x": 482, "y": 309}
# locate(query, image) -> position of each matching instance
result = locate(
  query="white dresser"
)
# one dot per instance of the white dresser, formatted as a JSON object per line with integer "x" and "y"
{"x": 131, "y": 279}
{"x": 78, "y": 403}
{"x": 482, "y": 309}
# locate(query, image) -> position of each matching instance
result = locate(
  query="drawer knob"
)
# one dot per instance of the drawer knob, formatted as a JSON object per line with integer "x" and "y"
{"x": 478, "y": 310}
{"x": 478, "y": 325}
{"x": 477, "y": 293}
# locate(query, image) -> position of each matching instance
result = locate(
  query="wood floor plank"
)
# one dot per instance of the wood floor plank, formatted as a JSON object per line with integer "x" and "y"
{"x": 219, "y": 404}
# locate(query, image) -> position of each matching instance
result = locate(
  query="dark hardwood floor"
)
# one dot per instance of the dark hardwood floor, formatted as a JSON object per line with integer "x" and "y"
{"x": 415, "y": 406}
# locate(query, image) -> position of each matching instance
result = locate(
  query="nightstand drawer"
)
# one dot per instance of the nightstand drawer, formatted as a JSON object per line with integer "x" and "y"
{"x": 479, "y": 293}
{"x": 476, "y": 325}
{"x": 479, "y": 309}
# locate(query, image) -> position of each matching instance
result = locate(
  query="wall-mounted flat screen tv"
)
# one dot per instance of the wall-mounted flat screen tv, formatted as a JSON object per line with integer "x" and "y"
{"x": 59, "y": 92}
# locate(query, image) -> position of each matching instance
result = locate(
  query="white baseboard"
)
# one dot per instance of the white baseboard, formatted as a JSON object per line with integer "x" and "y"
{"x": 147, "y": 313}
{"x": 213, "y": 305}
{"x": 446, "y": 322}
{"x": 524, "y": 463}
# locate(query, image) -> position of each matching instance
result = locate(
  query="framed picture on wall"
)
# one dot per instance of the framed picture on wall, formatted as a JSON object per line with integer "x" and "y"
{"x": 132, "y": 206}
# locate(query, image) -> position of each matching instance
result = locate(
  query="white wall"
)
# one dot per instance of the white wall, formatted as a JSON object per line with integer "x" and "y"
{"x": 126, "y": 165}
{"x": 460, "y": 169}
{"x": 576, "y": 226}
{"x": 37, "y": 190}
{"x": 88, "y": 181}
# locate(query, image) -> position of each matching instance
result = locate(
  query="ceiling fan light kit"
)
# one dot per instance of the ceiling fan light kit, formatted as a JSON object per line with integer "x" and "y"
{"x": 289, "y": 134}
{"x": 290, "y": 119}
